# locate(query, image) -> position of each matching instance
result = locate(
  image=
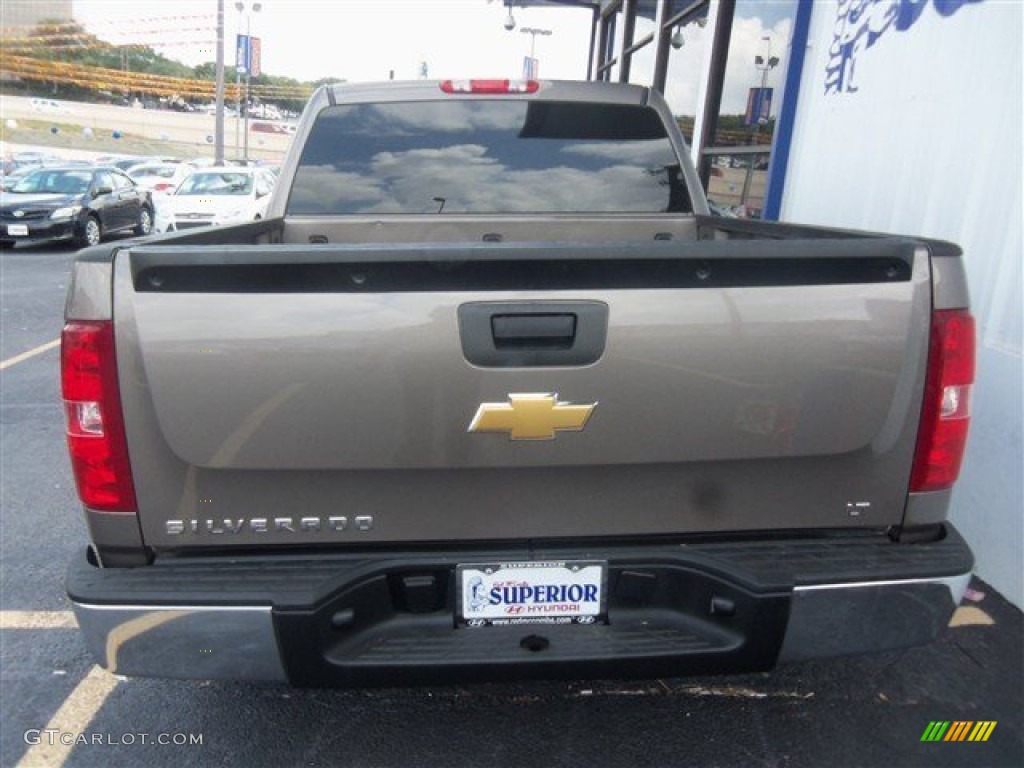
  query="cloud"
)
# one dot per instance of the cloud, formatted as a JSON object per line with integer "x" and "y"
{"x": 741, "y": 74}
{"x": 471, "y": 182}
{"x": 323, "y": 187}
{"x": 687, "y": 64}
{"x": 448, "y": 116}
{"x": 635, "y": 153}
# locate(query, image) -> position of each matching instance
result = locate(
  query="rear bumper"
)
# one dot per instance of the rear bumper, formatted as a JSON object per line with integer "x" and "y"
{"x": 362, "y": 620}
{"x": 182, "y": 225}
{"x": 43, "y": 230}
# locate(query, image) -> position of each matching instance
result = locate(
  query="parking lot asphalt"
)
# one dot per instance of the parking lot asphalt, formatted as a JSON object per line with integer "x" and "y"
{"x": 862, "y": 711}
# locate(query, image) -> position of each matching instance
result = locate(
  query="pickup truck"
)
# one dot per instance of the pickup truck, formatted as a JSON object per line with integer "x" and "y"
{"x": 489, "y": 395}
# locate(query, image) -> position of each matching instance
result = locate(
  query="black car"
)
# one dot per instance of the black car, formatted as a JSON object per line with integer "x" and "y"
{"x": 73, "y": 203}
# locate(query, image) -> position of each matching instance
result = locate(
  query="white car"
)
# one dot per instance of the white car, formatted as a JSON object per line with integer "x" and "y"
{"x": 211, "y": 109}
{"x": 160, "y": 177}
{"x": 217, "y": 196}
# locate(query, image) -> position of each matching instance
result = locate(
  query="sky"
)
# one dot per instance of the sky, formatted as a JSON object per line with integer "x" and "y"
{"x": 364, "y": 41}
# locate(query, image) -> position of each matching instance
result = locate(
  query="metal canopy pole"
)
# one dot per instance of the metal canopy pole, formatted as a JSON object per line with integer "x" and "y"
{"x": 662, "y": 38}
{"x": 716, "y": 81}
{"x": 248, "y": 81}
{"x": 628, "y": 26}
{"x": 595, "y": 17}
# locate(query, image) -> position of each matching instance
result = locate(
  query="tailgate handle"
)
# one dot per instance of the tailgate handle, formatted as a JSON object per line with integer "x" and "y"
{"x": 533, "y": 331}
{"x": 518, "y": 334}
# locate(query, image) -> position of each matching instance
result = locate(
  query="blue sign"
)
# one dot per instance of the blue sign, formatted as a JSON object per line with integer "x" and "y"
{"x": 243, "y": 53}
{"x": 759, "y": 106}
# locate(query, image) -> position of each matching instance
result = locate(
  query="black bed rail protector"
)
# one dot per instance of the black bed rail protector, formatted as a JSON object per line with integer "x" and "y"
{"x": 517, "y": 266}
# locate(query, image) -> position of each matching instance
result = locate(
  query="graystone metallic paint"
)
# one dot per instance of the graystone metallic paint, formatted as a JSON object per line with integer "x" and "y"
{"x": 339, "y": 422}
{"x": 89, "y": 294}
{"x": 927, "y": 508}
{"x": 949, "y": 281}
{"x": 113, "y": 530}
{"x": 685, "y": 376}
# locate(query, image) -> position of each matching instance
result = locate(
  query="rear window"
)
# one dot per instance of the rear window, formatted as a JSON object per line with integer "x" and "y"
{"x": 487, "y": 156}
{"x": 162, "y": 171}
{"x": 216, "y": 183}
{"x": 55, "y": 182}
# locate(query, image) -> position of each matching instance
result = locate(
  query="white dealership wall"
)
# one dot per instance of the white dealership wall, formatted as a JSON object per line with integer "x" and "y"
{"x": 916, "y": 128}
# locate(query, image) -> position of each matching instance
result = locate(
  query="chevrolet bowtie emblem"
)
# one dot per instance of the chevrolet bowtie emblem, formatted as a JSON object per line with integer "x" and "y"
{"x": 531, "y": 417}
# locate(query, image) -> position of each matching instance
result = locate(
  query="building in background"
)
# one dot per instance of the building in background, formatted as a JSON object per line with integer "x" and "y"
{"x": 28, "y": 13}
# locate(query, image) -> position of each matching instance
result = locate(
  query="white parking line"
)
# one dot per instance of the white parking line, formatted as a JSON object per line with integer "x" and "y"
{"x": 78, "y": 709}
{"x": 73, "y": 717}
{"x": 37, "y": 620}
{"x": 31, "y": 353}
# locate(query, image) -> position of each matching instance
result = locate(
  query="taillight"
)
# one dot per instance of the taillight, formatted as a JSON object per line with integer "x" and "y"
{"x": 945, "y": 417}
{"x": 95, "y": 428}
{"x": 163, "y": 186}
{"x": 490, "y": 86}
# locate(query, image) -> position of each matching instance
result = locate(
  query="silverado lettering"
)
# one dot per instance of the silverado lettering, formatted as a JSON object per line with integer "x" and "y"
{"x": 265, "y": 525}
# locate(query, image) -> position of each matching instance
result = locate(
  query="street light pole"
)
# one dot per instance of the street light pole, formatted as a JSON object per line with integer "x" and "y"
{"x": 248, "y": 80}
{"x": 533, "y": 32}
{"x": 238, "y": 104}
{"x": 218, "y": 124}
{"x": 765, "y": 66}
{"x": 241, "y": 8}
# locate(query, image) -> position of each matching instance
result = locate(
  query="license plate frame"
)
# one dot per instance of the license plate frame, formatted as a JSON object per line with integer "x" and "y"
{"x": 17, "y": 230}
{"x": 578, "y": 588}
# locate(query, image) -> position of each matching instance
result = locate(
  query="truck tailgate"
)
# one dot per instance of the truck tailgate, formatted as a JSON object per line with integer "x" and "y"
{"x": 318, "y": 395}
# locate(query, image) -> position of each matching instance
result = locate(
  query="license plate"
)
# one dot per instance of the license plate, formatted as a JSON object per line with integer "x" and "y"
{"x": 17, "y": 230}
{"x": 501, "y": 594}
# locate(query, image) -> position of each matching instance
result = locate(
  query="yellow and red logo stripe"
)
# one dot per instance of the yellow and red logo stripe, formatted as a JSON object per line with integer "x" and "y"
{"x": 959, "y": 730}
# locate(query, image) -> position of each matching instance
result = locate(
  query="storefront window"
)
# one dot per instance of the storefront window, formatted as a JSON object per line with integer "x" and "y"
{"x": 646, "y": 11}
{"x": 641, "y": 66}
{"x": 612, "y": 23}
{"x": 686, "y": 64}
{"x": 751, "y": 96}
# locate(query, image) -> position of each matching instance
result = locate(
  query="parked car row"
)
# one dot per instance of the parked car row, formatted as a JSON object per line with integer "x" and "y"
{"x": 73, "y": 202}
{"x": 51, "y": 107}
{"x": 84, "y": 203}
{"x": 743, "y": 161}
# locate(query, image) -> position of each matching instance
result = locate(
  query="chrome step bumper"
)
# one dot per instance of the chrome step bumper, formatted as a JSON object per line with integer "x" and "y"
{"x": 343, "y": 620}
